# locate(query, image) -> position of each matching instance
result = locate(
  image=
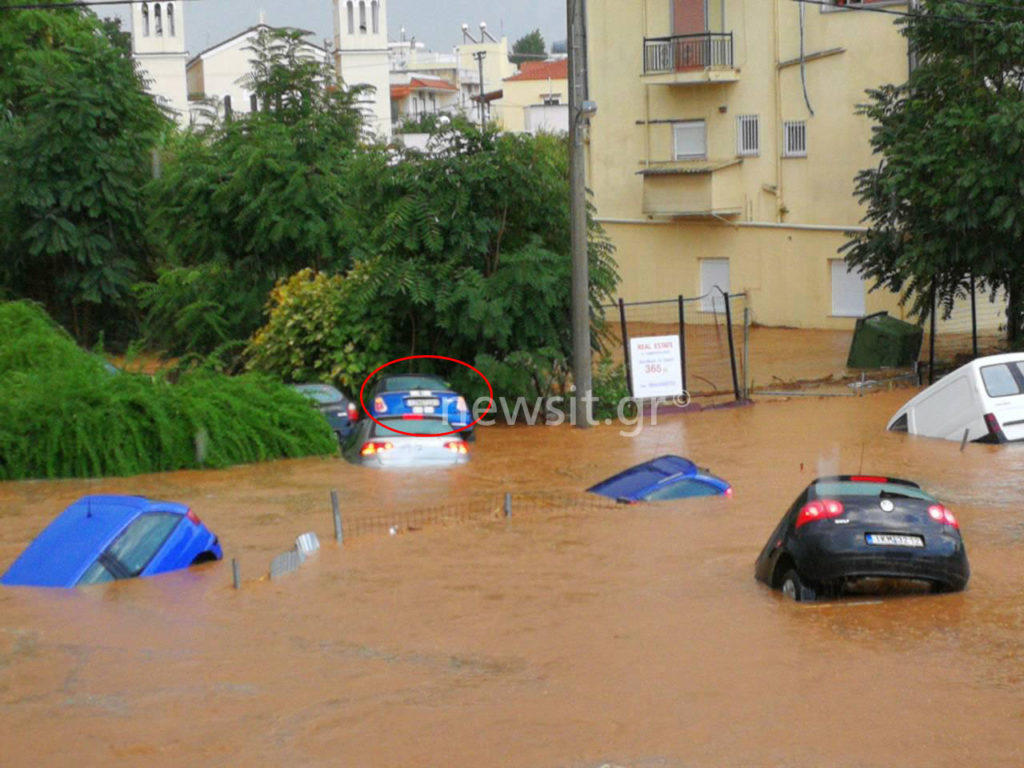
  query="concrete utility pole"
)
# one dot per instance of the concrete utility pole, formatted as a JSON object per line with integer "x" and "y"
{"x": 479, "y": 56}
{"x": 579, "y": 111}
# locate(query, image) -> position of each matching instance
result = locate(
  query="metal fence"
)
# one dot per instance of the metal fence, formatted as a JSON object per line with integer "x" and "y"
{"x": 713, "y": 331}
{"x": 975, "y": 327}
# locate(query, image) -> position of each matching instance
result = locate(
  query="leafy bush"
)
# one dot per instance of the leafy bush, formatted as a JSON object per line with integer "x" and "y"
{"x": 63, "y": 415}
{"x": 319, "y": 329}
{"x": 609, "y": 388}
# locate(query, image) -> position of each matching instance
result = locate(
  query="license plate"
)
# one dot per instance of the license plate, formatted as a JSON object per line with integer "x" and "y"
{"x": 893, "y": 540}
{"x": 422, "y": 402}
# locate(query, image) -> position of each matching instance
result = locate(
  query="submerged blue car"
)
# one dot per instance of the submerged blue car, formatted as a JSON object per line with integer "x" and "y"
{"x": 660, "y": 479}
{"x": 423, "y": 394}
{"x": 102, "y": 538}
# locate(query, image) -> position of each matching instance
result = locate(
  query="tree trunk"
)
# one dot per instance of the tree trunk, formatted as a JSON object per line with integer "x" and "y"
{"x": 1014, "y": 314}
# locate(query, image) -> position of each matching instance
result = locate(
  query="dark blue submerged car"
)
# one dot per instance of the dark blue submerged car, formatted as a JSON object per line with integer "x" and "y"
{"x": 420, "y": 394}
{"x": 103, "y": 538}
{"x": 661, "y": 479}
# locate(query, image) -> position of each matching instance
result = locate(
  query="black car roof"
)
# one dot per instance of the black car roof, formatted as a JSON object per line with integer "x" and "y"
{"x": 862, "y": 479}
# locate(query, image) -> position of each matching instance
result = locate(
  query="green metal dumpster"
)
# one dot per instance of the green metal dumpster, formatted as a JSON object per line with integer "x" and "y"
{"x": 880, "y": 341}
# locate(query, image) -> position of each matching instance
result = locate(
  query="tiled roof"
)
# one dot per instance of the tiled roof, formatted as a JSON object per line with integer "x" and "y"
{"x": 542, "y": 70}
{"x": 402, "y": 90}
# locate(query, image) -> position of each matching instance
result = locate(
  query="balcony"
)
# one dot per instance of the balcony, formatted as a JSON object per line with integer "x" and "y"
{"x": 689, "y": 59}
{"x": 693, "y": 189}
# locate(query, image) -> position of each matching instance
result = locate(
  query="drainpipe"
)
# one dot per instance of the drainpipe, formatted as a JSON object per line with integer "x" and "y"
{"x": 647, "y": 94}
{"x": 778, "y": 111}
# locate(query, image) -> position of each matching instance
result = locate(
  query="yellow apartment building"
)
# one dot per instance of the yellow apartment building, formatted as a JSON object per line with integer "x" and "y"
{"x": 726, "y": 143}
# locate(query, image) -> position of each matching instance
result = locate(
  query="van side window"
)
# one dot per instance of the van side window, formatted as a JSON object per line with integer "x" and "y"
{"x": 1000, "y": 381}
{"x": 900, "y": 425}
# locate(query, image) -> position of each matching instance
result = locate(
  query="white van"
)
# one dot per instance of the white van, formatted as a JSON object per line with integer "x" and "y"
{"x": 984, "y": 397}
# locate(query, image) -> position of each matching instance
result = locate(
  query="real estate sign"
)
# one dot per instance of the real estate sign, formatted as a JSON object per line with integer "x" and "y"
{"x": 654, "y": 364}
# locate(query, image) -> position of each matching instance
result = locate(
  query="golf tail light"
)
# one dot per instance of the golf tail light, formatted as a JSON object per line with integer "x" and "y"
{"x": 379, "y": 405}
{"x": 820, "y": 509}
{"x": 374, "y": 447}
{"x": 456, "y": 446}
{"x": 193, "y": 517}
{"x": 460, "y": 404}
{"x": 353, "y": 412}
{"x": 940, "y": 514}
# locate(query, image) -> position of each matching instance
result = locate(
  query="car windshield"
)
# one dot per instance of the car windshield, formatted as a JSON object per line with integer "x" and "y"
{"x": 1003, "y": 380}
{"x": 410, "y": 382}
{"x": 832, "y": 489}
{"x": 320, "y": 393}
{"x": 415, "y": 426}
{"x": 683, "y": 489}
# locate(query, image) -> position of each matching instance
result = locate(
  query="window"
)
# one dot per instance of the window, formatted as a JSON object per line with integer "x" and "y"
{"x": 158, "y": 21}
{"x": 351, "y": 18}
{"x": 170, "y": 19}
{"x": 794, "y": 138}
{"x": 551, "y": 100}
{"x": 139, "y": 542}
{"x": 375, "y": 14}
{"x": 145, "y": 20}
{"x": 748, "y": 136}
{"x": 847, "y": 290}
{"x": 684, "y": 489}
{"x": 1000, "y": 381}
{"x": 362, "y": 17}
{"x": 690, "y": 140}
{"x": 714, "y": 280}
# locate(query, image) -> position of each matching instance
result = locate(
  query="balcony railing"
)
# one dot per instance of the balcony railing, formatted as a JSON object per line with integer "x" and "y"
{"x": 687, "y": 52}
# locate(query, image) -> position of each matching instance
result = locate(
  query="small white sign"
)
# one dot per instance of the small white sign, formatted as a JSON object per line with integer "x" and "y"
{"x": 654, "y": 363}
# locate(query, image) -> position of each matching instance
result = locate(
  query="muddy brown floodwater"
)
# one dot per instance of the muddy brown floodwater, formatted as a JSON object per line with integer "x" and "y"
{"x": 574, "y": 635}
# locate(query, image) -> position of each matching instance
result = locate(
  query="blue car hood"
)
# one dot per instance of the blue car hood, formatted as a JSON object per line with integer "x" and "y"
{"x": 67, "y": 546}
{"x": 631, "y": 483}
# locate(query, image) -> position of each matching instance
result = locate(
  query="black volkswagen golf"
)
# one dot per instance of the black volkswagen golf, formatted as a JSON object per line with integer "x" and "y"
{"x": 846, "y": 528}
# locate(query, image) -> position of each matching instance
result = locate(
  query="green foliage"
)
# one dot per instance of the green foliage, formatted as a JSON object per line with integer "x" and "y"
{"x": 319, "y": 329}
{"x": 193, "y": 310}
{"x": 77, "y": 131}
{"x": 946, "y": 198}
{"x": 63, "y": 415}
{"x": 529, "y": 47}
{"x": 610, "y": 388}
{"x": 243, "y": 203}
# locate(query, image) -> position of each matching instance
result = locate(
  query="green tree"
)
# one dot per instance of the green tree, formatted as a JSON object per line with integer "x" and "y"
{"x": 75, "y": 136}
{"x": 473, "y": 256}
{"x": 528, "y": 48}
{"x": 254, "y": 199}
{"x": 945, "y": 201}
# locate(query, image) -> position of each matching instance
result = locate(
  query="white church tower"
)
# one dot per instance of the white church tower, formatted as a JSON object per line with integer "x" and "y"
{"x": 158, "y": 44}
{"x": 361, "y": 57}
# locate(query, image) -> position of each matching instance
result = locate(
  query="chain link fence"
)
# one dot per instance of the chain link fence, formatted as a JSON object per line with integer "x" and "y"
{"x": 713, "y": 331}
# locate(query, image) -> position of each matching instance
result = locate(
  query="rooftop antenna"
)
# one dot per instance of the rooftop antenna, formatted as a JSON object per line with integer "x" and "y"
{"x": 263, "y": 18}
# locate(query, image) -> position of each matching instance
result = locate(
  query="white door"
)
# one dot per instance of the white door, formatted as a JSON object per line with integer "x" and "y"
{"x": 847, "y": 291}
{"x": 714, "y": 275}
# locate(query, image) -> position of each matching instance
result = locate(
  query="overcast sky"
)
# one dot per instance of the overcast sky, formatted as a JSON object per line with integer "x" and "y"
{"x": 438, "y": 23}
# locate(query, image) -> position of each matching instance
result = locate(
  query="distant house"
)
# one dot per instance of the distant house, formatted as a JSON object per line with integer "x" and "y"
{"x": 223, "y": 71}
{"x": 536, "y": 99}
{"x": 415, "y": 95}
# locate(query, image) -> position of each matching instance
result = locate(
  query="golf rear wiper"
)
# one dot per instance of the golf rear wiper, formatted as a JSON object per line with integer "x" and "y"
{"x": 895, "y": 495}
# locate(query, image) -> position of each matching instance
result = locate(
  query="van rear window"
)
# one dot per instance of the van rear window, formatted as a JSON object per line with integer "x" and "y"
{"x": 1002, "y": 380}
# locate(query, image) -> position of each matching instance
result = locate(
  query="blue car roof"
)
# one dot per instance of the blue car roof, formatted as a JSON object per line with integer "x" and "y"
{"x": 59, "y": 555}
{"x": 633, "y": 482}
